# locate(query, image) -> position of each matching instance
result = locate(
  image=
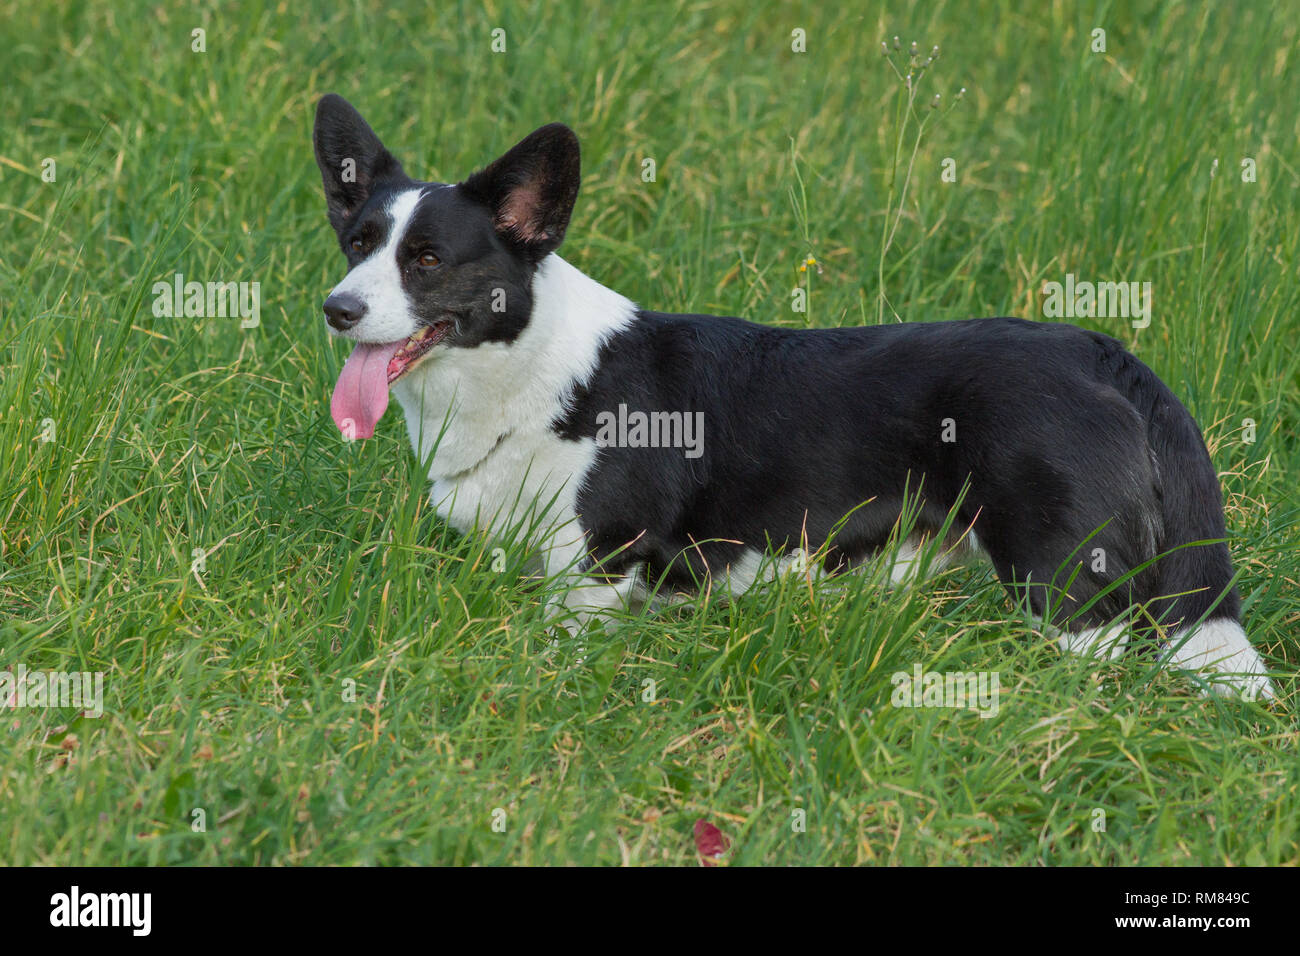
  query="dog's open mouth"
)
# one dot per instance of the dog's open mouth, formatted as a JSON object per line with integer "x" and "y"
{"x": 415, "y": 348}
{"x": 361, "y": 394}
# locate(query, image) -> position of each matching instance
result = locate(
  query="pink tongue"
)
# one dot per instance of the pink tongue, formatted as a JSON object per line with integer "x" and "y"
{"x": 361, "y": 394}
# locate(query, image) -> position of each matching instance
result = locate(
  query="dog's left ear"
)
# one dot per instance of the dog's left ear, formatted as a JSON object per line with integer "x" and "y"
{"x": 532, "y": 188}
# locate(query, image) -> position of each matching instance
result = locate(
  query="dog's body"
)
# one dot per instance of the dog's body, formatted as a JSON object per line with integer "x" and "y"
{"x": 1081, "y": 476}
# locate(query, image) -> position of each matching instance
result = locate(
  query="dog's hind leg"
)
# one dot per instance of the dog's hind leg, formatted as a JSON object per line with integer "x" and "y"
{"x": 1221, "y": 652}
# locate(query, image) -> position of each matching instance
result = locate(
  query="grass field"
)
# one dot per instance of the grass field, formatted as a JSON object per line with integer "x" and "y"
{"x": 303, "y": 665}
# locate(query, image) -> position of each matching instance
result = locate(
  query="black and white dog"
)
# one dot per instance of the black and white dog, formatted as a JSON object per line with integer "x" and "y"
{"x": 1051, "y": 444}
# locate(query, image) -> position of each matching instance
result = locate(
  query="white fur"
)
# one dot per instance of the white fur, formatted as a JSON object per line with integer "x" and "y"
{"x": 905, "y": 566}
{"x": 754, "y": 568}
{"x": 1224, "y": 655}
{"x": 742, "y": 574}
{"x": 378, "y": 282}
{"x": 1218, "y": 650}
{"x": 1107, "y": 641}
{"x": 498, "y": 463}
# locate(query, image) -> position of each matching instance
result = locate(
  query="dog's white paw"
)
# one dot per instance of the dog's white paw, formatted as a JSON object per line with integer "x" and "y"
{"x": 1102, "y": 643}
{"x": 1223, "y": 655}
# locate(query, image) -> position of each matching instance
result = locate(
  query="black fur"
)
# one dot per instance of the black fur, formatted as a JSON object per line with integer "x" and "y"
{"x": 1060, "y": 432}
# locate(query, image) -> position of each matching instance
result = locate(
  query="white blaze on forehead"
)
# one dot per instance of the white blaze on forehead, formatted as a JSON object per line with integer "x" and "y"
{"x": 377, "y": 281}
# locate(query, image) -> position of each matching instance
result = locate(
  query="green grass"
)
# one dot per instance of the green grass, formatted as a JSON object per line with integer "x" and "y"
{"x": 227, "y": 689}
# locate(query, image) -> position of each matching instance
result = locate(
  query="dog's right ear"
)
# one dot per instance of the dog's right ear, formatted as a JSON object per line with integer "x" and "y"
{"x": 351, "y": 158}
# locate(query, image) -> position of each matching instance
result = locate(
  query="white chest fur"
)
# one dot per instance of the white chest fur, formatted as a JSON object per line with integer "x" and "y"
{"x": 481, "y": 417}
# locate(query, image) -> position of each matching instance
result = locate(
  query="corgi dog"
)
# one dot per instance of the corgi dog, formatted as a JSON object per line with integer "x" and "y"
{"x": 672, "y": 452}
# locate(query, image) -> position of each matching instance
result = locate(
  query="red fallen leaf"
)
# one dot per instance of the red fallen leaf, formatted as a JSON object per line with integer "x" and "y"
{"x": 709, "y": 842}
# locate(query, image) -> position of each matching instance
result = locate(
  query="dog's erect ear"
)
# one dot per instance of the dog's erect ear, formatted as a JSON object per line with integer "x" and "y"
{"x": 350, "y": 156}
{"x": 532, "y": 188}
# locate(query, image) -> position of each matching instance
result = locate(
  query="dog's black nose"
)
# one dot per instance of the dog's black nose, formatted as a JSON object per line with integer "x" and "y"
{"x": 343, "y": 311}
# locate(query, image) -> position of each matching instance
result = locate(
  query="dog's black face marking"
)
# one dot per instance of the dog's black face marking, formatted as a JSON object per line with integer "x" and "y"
{"x": 466, "y": 254}
{"x": 474, "y": 280}
{"x": 480, "y": 281}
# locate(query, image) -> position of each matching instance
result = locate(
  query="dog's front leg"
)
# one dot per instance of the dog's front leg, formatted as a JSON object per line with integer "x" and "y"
{"x": 583, "y": 598}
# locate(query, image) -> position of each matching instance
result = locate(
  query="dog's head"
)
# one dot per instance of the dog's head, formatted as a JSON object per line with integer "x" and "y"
{"x": 432, "y": 266}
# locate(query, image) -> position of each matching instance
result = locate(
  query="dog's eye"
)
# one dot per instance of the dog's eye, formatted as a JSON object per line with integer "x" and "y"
{"x": 428, "y": 260}
{"x": 356, "y": 245}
